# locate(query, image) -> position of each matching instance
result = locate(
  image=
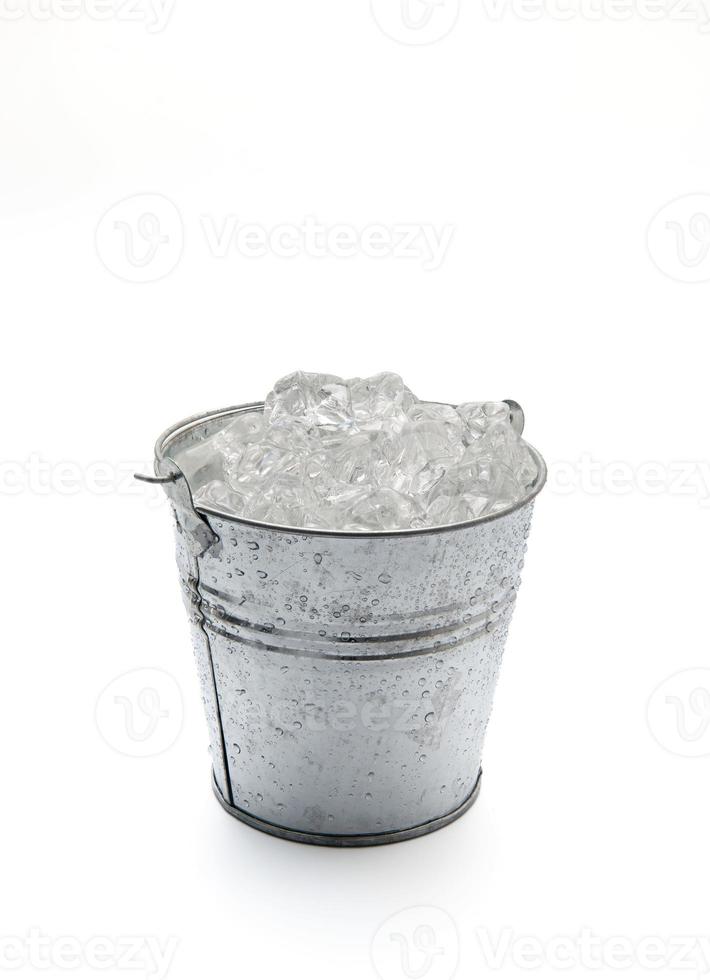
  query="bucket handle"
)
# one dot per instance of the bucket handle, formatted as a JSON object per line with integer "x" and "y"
{"x": 517, "y": 415}
{"x": 200, "y": 536}
{"x": 155, "y": 479}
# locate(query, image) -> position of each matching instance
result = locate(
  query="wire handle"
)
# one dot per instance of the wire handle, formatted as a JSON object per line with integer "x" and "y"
{"x": 155, "y": 479}
{"x": 517, "y": 415}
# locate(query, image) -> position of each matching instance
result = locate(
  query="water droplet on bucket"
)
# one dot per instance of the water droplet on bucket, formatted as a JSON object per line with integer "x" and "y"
{"x": 318, "y": 558}
{"x": 384, "y": 578}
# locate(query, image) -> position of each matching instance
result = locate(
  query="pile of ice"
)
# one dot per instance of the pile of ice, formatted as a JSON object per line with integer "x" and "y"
{"x": 360, "y": 455}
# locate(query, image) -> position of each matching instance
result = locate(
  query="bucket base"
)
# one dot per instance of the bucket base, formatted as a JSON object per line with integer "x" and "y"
{"x": 349, "y": 840}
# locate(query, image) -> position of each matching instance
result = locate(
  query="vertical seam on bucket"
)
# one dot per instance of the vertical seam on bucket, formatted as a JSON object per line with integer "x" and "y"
{"x": 227, "y": 775}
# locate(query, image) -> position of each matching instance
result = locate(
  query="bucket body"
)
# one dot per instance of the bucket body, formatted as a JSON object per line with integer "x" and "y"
{"x": 347, "y": 678}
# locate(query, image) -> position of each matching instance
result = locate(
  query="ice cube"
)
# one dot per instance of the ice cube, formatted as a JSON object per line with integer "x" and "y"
{"x": 216, "y": 493}
{"x": 258, "y": 462}
{"x": 310, "y": 401}
{"x": 479, "y": 416}
{"x": 381, "y": 400}
{"x": 384, "y": 510}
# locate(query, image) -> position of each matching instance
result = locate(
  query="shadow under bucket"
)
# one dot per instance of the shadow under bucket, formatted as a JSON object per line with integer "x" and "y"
{"x": 347, "y": 677}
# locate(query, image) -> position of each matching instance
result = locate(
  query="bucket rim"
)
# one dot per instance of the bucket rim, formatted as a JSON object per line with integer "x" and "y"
{"x": 179, "y": 428}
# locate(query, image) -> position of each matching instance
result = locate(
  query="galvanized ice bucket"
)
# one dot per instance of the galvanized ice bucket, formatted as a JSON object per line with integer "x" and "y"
{"x": 347, "y": 677}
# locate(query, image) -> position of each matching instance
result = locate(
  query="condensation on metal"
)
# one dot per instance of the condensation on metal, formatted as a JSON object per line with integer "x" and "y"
{"x": 347, "y": 678}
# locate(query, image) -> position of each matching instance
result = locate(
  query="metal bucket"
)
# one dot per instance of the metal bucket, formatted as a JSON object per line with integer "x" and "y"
{"x": 347, "y": 677}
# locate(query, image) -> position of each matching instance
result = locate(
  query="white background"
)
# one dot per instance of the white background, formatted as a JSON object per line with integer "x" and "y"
{"x": 547, "y": 139}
